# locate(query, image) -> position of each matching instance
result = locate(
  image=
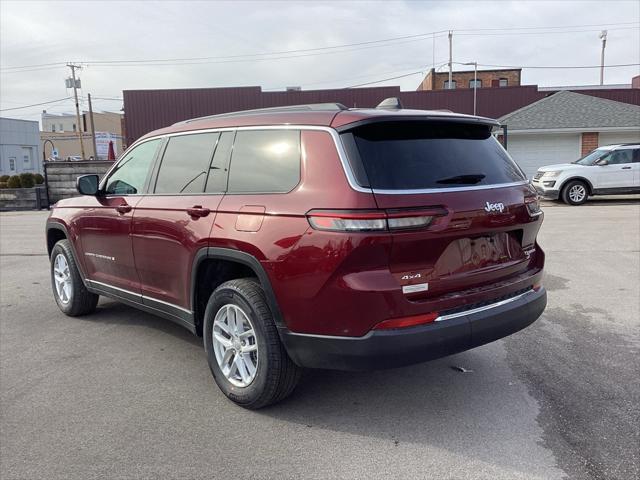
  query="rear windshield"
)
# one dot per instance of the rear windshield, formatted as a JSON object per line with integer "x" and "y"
{"x": 422, "y": 155}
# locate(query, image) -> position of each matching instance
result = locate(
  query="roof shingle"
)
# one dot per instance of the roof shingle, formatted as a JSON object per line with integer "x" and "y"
{"x": 573, "y": 110}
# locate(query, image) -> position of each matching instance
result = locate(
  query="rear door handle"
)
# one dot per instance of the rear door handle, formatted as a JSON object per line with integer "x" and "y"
{"x": 626, "y": 168}
{"x": 124, "y": 208}
{"x": 198, "y": 211}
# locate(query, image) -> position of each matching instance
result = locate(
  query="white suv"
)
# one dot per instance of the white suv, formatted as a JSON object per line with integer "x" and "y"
{"x": 609, "y": 170}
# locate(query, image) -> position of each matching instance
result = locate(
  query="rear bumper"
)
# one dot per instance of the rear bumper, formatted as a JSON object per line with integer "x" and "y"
{"x": 380, "y": 349}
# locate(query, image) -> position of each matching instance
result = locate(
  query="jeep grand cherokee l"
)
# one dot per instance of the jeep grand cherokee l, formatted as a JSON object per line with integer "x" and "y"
{"x": 313, "y": 236}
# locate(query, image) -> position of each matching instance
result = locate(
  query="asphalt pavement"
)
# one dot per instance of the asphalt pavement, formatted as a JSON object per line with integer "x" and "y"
{"x": 123, "y": 394}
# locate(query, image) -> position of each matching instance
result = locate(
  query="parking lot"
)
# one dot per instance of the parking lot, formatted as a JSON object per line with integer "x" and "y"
{"x": 123, "y": 394}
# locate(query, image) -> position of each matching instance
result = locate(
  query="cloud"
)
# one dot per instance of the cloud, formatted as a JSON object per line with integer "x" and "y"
{"x": 36, "y": 33}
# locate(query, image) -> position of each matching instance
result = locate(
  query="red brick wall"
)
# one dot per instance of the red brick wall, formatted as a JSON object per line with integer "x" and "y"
{"x": 589, "y": 142}
{"x": 489, "y": 78}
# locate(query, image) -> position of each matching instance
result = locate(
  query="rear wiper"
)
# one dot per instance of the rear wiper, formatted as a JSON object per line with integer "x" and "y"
{"x": 462, "y": 179}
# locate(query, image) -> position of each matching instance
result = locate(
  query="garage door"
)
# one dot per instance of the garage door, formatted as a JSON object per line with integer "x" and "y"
{"x": 536, "y": 150}
{"x": 621, "y": 137}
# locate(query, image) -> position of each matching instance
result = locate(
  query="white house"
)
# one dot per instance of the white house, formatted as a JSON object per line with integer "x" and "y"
{"x": 565, "y": 126}
{"x": 19, "y": 147}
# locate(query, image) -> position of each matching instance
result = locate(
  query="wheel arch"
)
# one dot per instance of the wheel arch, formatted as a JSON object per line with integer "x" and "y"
{"x": 582, "y": 179}
{"x": 247, "y": 265}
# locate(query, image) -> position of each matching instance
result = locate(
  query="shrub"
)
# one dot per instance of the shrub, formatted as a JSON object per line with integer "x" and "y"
{"x": 4, "y": 178}
{"x": 14, "y": 182}
{"x": 39, "y": 179}
{"x": 3, "y": 185}
{"x": 27, "y": 180}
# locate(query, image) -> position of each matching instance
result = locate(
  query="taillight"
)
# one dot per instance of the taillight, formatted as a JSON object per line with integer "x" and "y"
{"x": 405, "y": 322}
{"x": 373, "y": 220}
{"x": 345, "y": 221}
{"x": 533, "y": 205}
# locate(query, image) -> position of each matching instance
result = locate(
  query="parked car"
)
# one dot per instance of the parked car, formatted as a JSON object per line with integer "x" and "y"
{"x": 608, "y": 170}
{"x": 312, "y": 236}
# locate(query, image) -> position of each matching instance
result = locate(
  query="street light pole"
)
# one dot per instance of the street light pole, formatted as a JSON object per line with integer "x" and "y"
{"x": 603, "y": 37}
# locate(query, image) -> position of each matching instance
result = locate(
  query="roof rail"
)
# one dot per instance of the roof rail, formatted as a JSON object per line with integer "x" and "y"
{"x": 312, "y": 107}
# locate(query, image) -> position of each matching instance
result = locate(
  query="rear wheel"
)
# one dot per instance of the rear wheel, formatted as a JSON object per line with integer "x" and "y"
{"x": 245, "y": 355}
{"x": 69, "y": 291}
{"x": 575, "y": 192}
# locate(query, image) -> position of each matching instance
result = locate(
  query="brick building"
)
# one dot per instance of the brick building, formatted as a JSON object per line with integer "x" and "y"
{"x": 464, "y": 79}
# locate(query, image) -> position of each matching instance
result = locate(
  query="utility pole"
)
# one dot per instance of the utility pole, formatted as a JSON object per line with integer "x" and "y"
{"x": 603, "y": 37}
{"x": 93, "y": 129}
{"x": 75, "y": 95}
{"x": 450, "y": 58}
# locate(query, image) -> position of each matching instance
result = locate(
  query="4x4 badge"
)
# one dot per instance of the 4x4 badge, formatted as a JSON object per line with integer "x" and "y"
{"x": 493, "y": 207}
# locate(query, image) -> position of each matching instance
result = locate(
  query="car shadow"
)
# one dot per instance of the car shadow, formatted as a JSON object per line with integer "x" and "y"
{"x": 116, "y": 313}
{"x": 479, "y": 411}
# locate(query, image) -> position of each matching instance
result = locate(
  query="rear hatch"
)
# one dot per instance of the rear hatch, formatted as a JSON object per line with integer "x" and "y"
{"x": 484, "y": 214}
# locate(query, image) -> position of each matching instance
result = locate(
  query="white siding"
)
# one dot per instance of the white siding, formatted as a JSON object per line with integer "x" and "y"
{"x": 532, "y": 151}
{"x": 611, "y": 138}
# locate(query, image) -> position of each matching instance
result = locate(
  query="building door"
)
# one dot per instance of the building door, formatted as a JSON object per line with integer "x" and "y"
{"x": 12, "y": 165}
{"x": 27, "y": 158}
{"x": 532, "y": 151}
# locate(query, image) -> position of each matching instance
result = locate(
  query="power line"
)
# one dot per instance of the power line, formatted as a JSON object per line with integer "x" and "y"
{"x": 385, "y": 79}
{"x": 34, "y": 104}
{"x": 558, "y": 66}
{"x": 261, "y": 56}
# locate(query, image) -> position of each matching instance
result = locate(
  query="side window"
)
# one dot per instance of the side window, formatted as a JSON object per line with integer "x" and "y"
{"x": 265, "y": 161}
{"x": 636, "y": 155}
{"x": 620, "y": 156}
{"x": 217, "y": 180}
{"x": 130, "y": 175}
{"x": 185, "y": 163}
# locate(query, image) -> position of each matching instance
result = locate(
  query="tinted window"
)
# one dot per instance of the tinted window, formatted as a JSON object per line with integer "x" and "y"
{"x": 420, "y": 155}
{"x": 185, "y": 163}
{"x": 265, "y": 161}
{"x": 131, "y": 173}
{"x": 620, "y": 156}
{"x": 217, "y": 181}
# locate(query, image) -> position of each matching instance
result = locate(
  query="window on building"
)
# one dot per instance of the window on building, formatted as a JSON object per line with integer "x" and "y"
{"x": 130, "y": 175}
{"x": 74, "y": 127}
{"x": 503, "y": 82}
{"x": 446, "y": 84}
{"x": 185, "y": 163}
{"x": 265, "y": 161}
{"x": 12, "y": 164}
{"x": 475, "y": 83}
{"x": 61, "y": 128}
{"x": 53, "y": 127}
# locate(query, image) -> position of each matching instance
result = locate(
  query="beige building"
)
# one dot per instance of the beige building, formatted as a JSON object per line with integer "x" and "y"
{"x": 61, "y": 130}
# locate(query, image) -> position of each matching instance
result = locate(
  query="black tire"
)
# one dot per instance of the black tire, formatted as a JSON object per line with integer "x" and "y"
{"x": 575, "y": 186}
{"x": 276, "y": 376}
{"x": 81, "y": 301}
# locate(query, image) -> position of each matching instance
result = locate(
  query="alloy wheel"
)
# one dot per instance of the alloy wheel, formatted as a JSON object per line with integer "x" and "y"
{"x": 62, "y": 279}
{"x": 235, "y": 345}
{"x": 577, "y": 193}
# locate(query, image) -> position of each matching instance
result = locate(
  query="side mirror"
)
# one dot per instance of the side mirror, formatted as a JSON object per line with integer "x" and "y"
{"x": 87, "y": 184}
{"x": 602, "y": 162}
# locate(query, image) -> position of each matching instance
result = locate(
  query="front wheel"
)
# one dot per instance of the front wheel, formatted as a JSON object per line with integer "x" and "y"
{"x": 69, "y": 291}
{"x": 575, "y": 192}
{"x": 245, "y": 355}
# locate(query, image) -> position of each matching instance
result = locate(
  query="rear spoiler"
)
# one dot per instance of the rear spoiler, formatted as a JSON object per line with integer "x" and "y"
{"x": 466, "y": 119}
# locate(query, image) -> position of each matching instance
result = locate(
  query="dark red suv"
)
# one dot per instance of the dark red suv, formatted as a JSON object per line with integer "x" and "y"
{"x": 312, "y": 236}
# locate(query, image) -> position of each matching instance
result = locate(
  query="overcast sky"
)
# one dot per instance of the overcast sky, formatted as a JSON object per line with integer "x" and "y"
{"x": 37, "y": 33}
